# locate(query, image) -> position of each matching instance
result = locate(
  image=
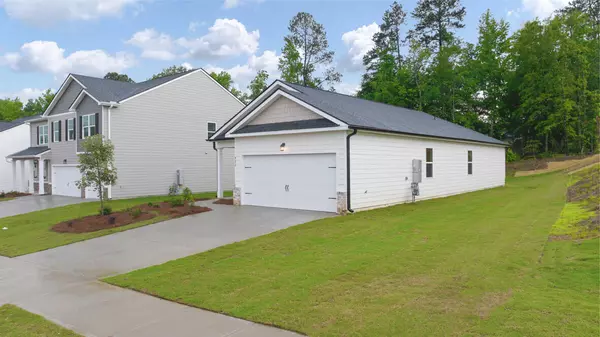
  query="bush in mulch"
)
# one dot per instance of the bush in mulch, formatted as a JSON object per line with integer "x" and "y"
{"x": 126, "y": 217}
{"x": 12, "y": 194}
{"x": 224, "y": 202}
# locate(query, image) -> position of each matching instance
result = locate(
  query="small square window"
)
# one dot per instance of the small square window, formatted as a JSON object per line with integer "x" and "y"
{"x": 212, "y": 128}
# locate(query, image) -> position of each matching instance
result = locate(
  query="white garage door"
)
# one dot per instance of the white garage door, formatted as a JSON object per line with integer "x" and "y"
{"x": 63, "y": 181}
{"x": 299, "y": 181}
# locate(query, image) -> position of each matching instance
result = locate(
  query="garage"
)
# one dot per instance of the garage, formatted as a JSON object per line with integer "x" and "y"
{"x": 297, "y": 181}
{"x": 63, "y": 180}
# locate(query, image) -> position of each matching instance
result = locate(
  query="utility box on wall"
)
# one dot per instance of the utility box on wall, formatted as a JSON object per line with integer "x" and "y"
{"x": 416, "y": 171}
{"x": 180, "y": 181}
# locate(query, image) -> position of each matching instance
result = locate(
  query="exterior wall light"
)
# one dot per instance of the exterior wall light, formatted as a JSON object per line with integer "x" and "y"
{"x": 282, "y": 147}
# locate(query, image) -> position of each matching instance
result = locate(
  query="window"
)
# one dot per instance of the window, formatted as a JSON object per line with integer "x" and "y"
{"x": 212, "y": 128}
{"x": 56, "y": 131}
{"x": 46, "y": 169}
{"x": 43, "y": 134}
{"x": 88, "y": 125}
{"x": 71, "y": 129}
{"x": 469, "y": 162}
{"x": 429, "y": 162}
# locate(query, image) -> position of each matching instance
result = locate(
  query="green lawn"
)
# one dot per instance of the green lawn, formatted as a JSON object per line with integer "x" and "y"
{"x": 470, "y": 264}
{"x": 28, "y": 233}
{"x": 16, "y": 322}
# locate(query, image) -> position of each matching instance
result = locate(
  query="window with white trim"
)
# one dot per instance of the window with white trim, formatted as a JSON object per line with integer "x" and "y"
{"x": 36, "y": 171}
{"x": 43, "y": 134}
{"x": 429, "y": 162}
{"x": 71, "y": 129}
{"x": 88, "y": 125}
{"x": 212, "y": 128}
{"x": 469, "y": 162}
{"x": 56, "y": 131}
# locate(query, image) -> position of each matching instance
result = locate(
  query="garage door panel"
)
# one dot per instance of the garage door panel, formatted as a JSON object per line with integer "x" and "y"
{"x": 291, "y": 181}
{"x": 64, "y": 181}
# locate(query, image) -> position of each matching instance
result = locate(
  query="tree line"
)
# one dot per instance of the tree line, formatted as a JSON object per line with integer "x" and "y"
{"x": 537, "y": 88}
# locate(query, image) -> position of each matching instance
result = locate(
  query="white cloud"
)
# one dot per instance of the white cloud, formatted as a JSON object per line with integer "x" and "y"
{"x": 193, "y": 25}
{"x": 187, "y": 66}
{"x": 23, "y": 94}
{"x": 227, "y": 37}
{"x": 243, "y": 74}
{"x": 358, "y": 42}
{"x": 236, "y": 3}
{"x": 41, "y": 12}
{"x": 48, "y": 57}
{"x": 154, "y": 45}
{"x": 347, "y": 88}
{"x": 543, "y": 8}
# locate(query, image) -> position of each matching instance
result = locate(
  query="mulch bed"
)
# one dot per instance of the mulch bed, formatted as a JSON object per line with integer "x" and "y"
{"x": 94, "y": 223}
{"x": 224, "y": 202}
{"x": 10, "y": 195}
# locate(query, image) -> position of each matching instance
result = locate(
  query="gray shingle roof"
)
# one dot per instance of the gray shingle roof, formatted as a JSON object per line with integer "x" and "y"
{"x": 364, "y": 114}
{"x": 295, "y": 125}
{"x": 115, "y": 91}
{"x": 9, "y": 125}
{"x": 29, "y": 152}
{"x": 368, "y": 115}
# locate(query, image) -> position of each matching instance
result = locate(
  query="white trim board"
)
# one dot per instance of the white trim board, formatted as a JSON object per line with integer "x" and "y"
{"x": 274, "y": 96}
{"x": 241, "y": 114}
{"x": 287, "y": 132}
{"x": 80, "y": 98}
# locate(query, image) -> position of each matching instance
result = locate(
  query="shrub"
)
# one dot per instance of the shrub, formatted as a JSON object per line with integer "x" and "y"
{"x": 150, "y": 204}
{"x": 188, "y": 196}
{"x": 2, "y": 194}
{"x": 511, "y": 156}
{"x": 106, "y": 210}
{"x": 176, "y": 202}
{"x": 173, "y": 190}
{"x": 136, "y": 213}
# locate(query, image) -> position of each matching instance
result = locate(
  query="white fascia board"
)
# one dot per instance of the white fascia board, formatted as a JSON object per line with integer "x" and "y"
{"x": 281, "y": 93}
{"x": 60, "y": 114}
{"x": 270, "y": 89}
{"x": 159, "y": 86}
{"x": 287, "y": 132}
{"x": 60, "y": 92}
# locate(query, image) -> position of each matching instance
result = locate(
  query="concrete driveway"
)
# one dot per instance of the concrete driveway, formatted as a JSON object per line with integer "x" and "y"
{"x": 61, "y": 285}
{"x": 34, "y": 203}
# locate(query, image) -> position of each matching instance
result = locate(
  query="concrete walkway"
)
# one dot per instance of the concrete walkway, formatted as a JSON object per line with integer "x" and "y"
{"x": 34, "y": 203}
{"x": 61, "y": 284}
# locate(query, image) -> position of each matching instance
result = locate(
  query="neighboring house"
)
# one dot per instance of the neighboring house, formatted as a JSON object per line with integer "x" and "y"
{"x": 158, "y": 127}
{"x": 14, "y": 136}
{"x": 304, "y": 148}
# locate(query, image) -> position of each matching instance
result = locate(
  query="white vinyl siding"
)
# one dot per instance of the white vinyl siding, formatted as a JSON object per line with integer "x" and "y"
{"x": 381, "y": 168}
{"x": 14, "y": 140}
{"x": 163, "y": 130}
{"x": 283, "y": 110}
{"x": 301, "y": 143}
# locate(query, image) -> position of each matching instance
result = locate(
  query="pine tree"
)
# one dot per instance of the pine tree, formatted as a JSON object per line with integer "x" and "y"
{"x": 436, "y": 19}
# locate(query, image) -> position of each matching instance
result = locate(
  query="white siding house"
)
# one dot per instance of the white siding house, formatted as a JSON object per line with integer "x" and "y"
{"x": 303, "y": 148}
{"x": 14, "y": 136}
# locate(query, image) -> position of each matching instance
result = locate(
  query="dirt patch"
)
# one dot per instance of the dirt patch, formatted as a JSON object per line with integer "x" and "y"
{"x": 491, "y": 301}
{"x": 545, "y": 165}
{"x": 130, "y": 216}
{"x": 12, "y": 195}
{"x": 224, "y": 202}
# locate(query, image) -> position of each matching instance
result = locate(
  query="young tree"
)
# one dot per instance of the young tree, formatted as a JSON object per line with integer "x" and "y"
{"x": 436, "y": 19}
{"x": 258, "y": 84}
{"x": 310, "y": 39}
{"x": 118, "y": 77}
{"x": 96, "y": 164}
{"x": 290, "y": 63}
{"x": 172, "y": 70}
{"x": 223, "y": 78}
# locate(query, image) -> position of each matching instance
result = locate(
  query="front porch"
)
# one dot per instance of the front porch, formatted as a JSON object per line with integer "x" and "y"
{"x": 29, "y": 166}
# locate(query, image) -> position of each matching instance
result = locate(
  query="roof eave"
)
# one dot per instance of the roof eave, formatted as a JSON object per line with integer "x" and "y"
{"x": 503, "y": 144}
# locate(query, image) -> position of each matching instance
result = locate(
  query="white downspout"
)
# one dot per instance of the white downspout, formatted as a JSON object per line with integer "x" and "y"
{"x": 109, "y": 134}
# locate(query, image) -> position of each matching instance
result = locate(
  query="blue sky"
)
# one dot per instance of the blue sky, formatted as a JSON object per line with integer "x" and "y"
{"x": 42, "y": 40}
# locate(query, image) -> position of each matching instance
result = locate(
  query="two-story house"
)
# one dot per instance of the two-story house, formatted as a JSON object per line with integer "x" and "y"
{"x": 158, "y": 127}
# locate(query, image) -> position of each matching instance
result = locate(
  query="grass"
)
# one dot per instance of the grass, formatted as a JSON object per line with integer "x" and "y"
{"x": 470, "y": 264}
{"x": 29, "y": 233}
{"x": 6, "y": 199}
{"x": 16, "y": 322}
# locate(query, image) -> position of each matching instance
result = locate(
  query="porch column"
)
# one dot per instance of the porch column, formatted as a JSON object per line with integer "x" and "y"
{"x": 41, "y": 190}
{"x": 23, "y": 177}
{"x": 29, "y": 176}
{"x": 14, "y": 174}
{"x": 219, "y": 167}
